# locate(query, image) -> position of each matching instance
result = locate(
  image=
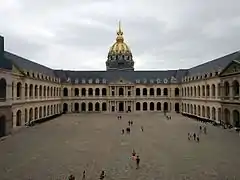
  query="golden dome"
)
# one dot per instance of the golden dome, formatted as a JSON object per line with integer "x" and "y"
{"x": 119, "y": 46}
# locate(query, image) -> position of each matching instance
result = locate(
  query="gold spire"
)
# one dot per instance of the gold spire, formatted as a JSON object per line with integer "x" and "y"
{"x": 119, "y": 33}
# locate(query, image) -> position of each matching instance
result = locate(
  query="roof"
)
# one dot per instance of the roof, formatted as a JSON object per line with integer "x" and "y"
{"x": 28, "y": 65}
{"x": 214, "y": 65}
{"x": 5, "y": 64}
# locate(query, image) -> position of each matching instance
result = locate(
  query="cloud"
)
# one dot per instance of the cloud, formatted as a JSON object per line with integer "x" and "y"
{"x": 161, "y": 34}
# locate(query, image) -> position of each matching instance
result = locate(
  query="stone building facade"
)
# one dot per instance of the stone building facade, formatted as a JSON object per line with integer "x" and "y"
{"x": 31, "y": 92}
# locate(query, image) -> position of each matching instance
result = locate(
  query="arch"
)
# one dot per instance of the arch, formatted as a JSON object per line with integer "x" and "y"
{"x": 97, "y": 106}
{"x": 76, "y": 107}
{"x": 36, "y": 113}
{"x": 104, "y": 106}
{"x": 19, "y": 118}
{"x": 226, "y": 88}
{"x": 191, "y": 106}
{"x": 97, "y": 92}
{"x": 83, "y": 92}
{"x": 44, "y": 91}
{"x": 26, "y": 115}
{"x": 138, "y": 92}
{"x": 195, "y": 91}
{"x": 194, "y": 109}
{"x": 176, "y": 92}
{"x": 151, "y": 92}
{"x": 40, "y": 112}
{"x": 2, "y": 125}
{"x": 90, "y": 91}
{"x": 120, "y": 91}
{"x": 236, "y": 118}
{"x": 177, "y": 109}
{"x": 30, "y": 90}
{"x": 83, "y": 107}
{"x": 208, "y": 112}
{"x": 76, "y": 92}
{"x": 191, "y": 91}
{"x": 30, "y": 114}
{"x": 19, "y": 90}
{"x": 235, "y": 88}
{"x": 36, "y": 91}
{"x": 48, "y": 110}
{"x": 51, "y": 110}
{"x": 3, "y": 90}
{"x": 138, "y": 106}
{"x": 151, "y": 106}
{"x": 213, "y": 90}
{"x": 65, "y": 92}
{"x": 165, "y": 106}
{"x": 145, "y": 106}
{"x": 65, "y": 107}
{"x": 104, "y": 91}
{"x": 158, "y": 91}
{"x": 40, "y": 90}
{"x": 90, "y": 106}
{"x": 159, "y": 106}
{"x": 165, "y": 91}
{"x": 188, "y": 108}
{"x": 203, "y": 90}
{"x": 199, "y": 110}
{"x": 44, "y": 111}
{"x": 203, "y": 111}
{"x": 48, "y": 91}
{"x": 199, "y": 91}
{"x": 213, "y": 113}
{"x": 227, "y": 116}
{"x": 144, "y": 91}
{"x": 26, "y": 90}
{"x": 208, "y": 90}
{"x": 219, "y": 114}
{"x": 51, "y": 91}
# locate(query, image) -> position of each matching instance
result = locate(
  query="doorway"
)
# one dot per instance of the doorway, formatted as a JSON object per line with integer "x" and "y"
{"x": 2, "y": 126}
{"x": 129, "y": 109}
{"x": 121, "y": 107}
{"x": 113, "y": 108}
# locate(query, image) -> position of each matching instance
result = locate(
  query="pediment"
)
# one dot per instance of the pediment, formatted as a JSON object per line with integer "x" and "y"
{"x": 121, "y": 81}
{"x": 16, "y": 70}
{"x": 232, "y": 68}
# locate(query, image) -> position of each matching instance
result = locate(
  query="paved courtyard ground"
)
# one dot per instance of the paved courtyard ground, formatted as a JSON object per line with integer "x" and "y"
{"x": 93, "y": 142}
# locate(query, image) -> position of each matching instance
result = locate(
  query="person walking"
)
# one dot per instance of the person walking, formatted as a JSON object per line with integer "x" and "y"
{"x": 194, "y": 136}
{"x": 84, "y": 175}
{"x": 137, "y": 162}
{"x": 71, "y": 177}
{"x": 102, "y": 175}
{"x": 142, "y": 128}
{"x": 205, "y": 130}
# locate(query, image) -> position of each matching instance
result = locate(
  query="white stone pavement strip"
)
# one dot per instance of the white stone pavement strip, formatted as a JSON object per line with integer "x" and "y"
{"x": 93, "y": 142}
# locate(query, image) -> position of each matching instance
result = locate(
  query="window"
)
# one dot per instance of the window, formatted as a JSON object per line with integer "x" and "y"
{"x": 138, "y": 81}
{"x": 83, "y": 81}
{"x": 158, "y": 81}
{"x": 90, "y": 81}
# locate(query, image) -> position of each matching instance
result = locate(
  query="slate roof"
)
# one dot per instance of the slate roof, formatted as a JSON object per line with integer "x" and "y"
{"x": 28, "y": 65}
{"x": 214, "y": 65}
{"x": 5, "y": 64}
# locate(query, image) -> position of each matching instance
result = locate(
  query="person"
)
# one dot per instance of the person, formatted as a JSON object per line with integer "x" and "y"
{"x": 189, "y": 136}
{"x": 205, "y": 130}
{"x": 133, "y": 153}
{"x": 84, "y": 175}
{"x": 102, "y": 175}
{"x": 142, "y": 128}
{"x": 200, "y": 128}
{"x": 71, "y": 177}
{"x": 194, "y": 136}
{"x": 129, "y": 123}
{"x": 137, "y": 162}
{"x": 122, "y": 131}
{"x": 198, "y": 139}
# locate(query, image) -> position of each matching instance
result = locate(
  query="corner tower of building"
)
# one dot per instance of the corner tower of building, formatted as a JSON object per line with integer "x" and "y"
{"x": 119, "y": 55}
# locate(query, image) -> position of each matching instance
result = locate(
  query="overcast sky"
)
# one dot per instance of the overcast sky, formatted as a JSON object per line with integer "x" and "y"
{"x": 162, "y": 34}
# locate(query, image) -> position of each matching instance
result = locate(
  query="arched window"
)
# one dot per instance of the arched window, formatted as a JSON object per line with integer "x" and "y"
{"x": 104, "y": 91}
{"x": 83, "y": 92}
{"x": 90, "y": 92}
{"x": 97, "y": 92}
{"x": 158, "y": 91}
{"x": 165, "y": 91}
{"x": 145, "y": 106}
{"x": 144, "y": 91}
{"x": 138, "y": 106}
{"x": 176, "y": 92}
{"x": 138, "y": 92}
{"x": 151, "y": 106}
{"x": 76, "y": 92}
{"x": 19, "y": 90}
{"x": 151, "y": 92}
{"x": 235, "y": 87}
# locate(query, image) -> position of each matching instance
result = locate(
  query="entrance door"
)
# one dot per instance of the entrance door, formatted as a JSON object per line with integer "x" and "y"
{"x": 129, "y": 108}
{"x": 2, "y": 126}
{"x": 121, "y": 107}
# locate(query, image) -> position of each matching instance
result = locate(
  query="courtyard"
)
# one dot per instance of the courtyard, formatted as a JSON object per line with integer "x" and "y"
{"x": 93, "y": 142}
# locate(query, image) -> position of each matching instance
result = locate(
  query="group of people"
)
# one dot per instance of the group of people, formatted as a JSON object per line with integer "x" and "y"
{"x": 101, "y": 177}
{"x": 196, "y": 137}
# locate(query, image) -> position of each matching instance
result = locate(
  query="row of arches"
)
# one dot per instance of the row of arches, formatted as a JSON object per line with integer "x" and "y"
{"x": 85, "y": 92}
{"x": 212, "y": 113}
{"x": 32, "y": 114}
{"x": 155, "y": 106}
{"x": 31, "y": 90}
{"x": 83, "y": 107}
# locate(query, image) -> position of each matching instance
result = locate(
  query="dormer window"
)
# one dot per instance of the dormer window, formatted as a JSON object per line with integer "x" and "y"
{"x": 76, "y": 81}
{"x": 97, "y": 81}
{"x": 90, "y": 81}
{"x": 144, "y": 81}
{"x": 165, "y": 80}
{"x": 138, "y": 81}
{"x": 68, "y": 79}
{"x": 83, "y": 81}
{"x": 158, "y": 81}
{"x": 104, "y": 81}
{"x": 151, "y": 81}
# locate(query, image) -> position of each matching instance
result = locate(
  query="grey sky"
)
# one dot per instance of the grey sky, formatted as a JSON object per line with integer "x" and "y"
{"x": 77, "y": 34}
